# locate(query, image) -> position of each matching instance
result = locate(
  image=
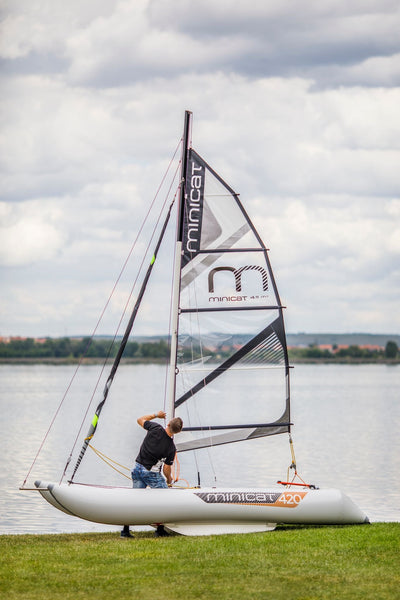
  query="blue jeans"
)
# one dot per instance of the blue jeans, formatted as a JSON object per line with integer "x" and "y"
{"x": 142, "y": 478}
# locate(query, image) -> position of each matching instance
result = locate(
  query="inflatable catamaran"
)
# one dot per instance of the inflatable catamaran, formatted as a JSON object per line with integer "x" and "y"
{"x": 227, "y": 342}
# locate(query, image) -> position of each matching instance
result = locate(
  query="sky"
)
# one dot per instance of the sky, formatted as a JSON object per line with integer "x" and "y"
{"x": 296, "y": 105}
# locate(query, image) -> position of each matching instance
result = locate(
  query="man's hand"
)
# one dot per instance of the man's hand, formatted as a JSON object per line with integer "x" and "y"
{"x": 160, "y": 415}
{"x": 167, "y": 474}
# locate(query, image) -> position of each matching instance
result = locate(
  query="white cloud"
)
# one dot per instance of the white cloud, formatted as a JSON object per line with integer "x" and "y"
{"x": 29, "y": 233}
{"x": 139, "y": 49}
{"x": 42, "y": 27}
{"x": 114, "y": 43}
{"x": 92, "y": 109}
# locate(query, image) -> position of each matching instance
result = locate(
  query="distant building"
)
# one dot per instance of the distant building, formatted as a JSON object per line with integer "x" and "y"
{"x": 8, "y": 339}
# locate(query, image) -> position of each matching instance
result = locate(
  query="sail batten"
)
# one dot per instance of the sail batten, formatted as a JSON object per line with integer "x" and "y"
{"x": 237, "y": 426}
{"x": 226, "y": 250}
{"x": 229, "y": 308}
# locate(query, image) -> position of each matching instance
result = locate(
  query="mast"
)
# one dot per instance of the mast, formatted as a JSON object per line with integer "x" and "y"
{"x": 170, "y": 408}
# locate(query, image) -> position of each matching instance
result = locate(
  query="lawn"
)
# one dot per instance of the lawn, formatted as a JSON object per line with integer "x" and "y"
{"x": 291, "y": 563}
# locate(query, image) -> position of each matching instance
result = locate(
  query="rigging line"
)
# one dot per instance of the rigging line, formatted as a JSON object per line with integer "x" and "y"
{"x": 293, "y": 465}
{"x": 176, "y": 470}
{"x": 195, "y": 406}
{"x": 183, "y": 373}
{"x": 126, "y": 335}
{"x": 189, "y": 421}
{"x": 125, "y": 338}
{"x": 183, "y": 376}
{"x": 109, "y": 462}
{"x": 98, "y": 323}
{"x": 108, "y": 458}
{"x": 209, "y": 451}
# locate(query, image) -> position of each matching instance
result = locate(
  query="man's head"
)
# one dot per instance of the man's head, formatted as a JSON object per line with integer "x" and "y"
{"x": 175, "y": 425}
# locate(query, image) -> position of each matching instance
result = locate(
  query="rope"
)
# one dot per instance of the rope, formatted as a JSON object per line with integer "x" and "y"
{"x": 175, "y": 471}
{"x": 293, "y": 465}
{"x": 109, "y": 460}
{"x": 296, "y": 475}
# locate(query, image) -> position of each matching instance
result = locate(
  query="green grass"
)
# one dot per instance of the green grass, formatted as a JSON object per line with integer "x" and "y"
{"x": 291, "y": 563}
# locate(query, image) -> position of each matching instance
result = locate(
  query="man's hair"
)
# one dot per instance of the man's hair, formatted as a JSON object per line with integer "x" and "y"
{"x": 175, "y": 425}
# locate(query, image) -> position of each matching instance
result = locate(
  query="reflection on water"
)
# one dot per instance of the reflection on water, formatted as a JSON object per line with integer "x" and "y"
{"x": 345, "y": 436}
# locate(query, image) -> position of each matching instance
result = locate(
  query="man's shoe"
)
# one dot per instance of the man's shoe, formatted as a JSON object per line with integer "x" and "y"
{"x": 125, "y": 533}
{"x": 160, "y": 532}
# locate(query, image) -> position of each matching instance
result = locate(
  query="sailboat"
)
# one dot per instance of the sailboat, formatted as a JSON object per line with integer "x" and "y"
{"x": 223, "y": 290}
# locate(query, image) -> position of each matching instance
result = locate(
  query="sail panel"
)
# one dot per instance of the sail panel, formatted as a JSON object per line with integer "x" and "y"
{"x": 263, "y": 349}
{"x": 237, "y": 396}
{"x": 210, "y": 339}
{"x": 224, "y": 261}
{"x": 227, "y": 279}
{"x": 189, "y": 441}
{"x": 214, "y": 217}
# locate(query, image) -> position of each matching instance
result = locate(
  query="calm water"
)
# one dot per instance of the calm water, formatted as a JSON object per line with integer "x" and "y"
{"x": 346, "y": 436}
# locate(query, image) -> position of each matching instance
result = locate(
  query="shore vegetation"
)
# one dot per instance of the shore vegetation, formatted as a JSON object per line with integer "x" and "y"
{"x": 66, "y": 349}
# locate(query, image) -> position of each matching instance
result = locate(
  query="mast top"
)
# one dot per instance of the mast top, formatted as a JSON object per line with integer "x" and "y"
{"x": 185, "y": 149}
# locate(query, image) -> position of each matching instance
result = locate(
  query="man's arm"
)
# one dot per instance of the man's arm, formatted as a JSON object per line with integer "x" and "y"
{"x": 167, "y": 473}
{"x": 160, "y": 415}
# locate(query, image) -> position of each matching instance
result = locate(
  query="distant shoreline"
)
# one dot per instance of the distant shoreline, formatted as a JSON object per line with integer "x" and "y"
{"x": 161, "y": 361}
{"x": 85, "y": 361}
{"x": 71, "y": 351}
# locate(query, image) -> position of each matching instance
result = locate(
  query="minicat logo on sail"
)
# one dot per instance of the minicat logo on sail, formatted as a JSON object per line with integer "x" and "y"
{"x": 285, "y": 499}
{"x": 194, "y": 206}
{"x": 237, "y": 274}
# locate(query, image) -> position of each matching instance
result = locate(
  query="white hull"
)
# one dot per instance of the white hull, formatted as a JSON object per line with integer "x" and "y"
{"x": 205, "y": 510}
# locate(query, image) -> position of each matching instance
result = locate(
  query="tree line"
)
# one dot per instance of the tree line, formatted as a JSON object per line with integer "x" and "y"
{"x": 391, "y": 351}
{"x": 74, "y": 348}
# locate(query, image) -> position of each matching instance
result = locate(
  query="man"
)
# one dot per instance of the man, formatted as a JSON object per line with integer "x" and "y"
{"x": 156, "y": 452}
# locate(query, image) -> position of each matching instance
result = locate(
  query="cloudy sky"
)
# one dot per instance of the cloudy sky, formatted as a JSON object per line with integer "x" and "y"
{"x": 296, "y": 104}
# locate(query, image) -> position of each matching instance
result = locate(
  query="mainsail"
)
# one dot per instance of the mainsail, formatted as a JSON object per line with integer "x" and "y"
{"x": 229, "y": 377}
{"x": 232, "y": 375}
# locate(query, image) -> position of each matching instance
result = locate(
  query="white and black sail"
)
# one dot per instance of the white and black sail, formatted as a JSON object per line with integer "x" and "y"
{"x": 230, "y": 321}
{"x": 229, "y": 372}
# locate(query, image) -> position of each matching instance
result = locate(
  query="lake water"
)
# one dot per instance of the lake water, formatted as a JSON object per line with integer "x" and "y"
{"x": 346, "y": 421}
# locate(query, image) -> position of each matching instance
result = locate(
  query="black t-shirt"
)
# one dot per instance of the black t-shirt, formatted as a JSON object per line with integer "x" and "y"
{"x": 157, "y": 448}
